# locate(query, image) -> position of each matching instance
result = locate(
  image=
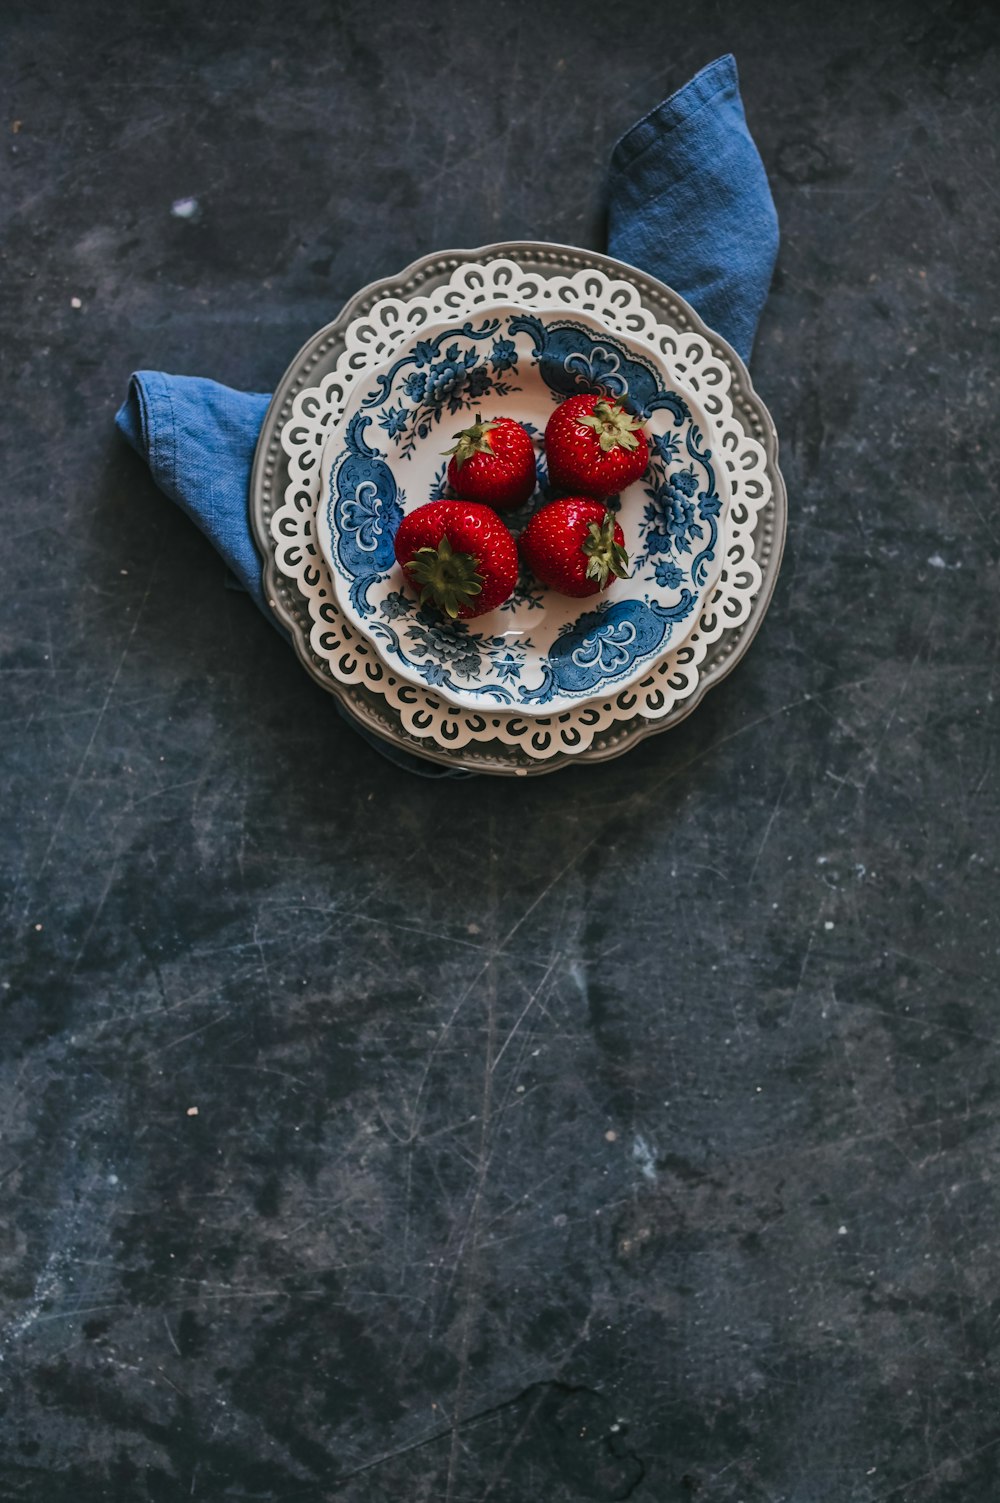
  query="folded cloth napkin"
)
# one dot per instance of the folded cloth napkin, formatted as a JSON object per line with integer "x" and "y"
{"x": 688, "y": 202}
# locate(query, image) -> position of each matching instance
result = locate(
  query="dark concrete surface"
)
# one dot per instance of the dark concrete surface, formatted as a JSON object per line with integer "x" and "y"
{"x": 632, "y": 1133}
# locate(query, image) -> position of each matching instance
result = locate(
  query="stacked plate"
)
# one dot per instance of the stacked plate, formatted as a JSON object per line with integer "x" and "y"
{"x": 354, "y": 439}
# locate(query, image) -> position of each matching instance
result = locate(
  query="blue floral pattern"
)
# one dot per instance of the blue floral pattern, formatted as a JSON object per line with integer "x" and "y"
{"x": 503, "y": 356}
{"x": 440, "y": 649}
{"x": 572, "y": 360}
{"x": 366, "y": 508}
{"x": 550, "y": 650}
{"x": 601, "y": 646}
{"x": 528, "y": 593}
{"x": 393, "y": 420}
{"x": 670, "y": 514}
{"x": 598, "y": 367}
{"x": 679, "y": 511}
{"x": 440, "y": 489}
{"x": 666, "y": 446}
{"x": 447, "y": 380}
{"x": 667, "y": 574}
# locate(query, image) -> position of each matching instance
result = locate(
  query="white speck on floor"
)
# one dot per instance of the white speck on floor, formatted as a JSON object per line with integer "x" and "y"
{"x": 184, "y": 208}
{"x": 644, "y": 1157}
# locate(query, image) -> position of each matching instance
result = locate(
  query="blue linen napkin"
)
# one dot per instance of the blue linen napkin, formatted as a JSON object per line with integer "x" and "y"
{"x": 688, "y": 202}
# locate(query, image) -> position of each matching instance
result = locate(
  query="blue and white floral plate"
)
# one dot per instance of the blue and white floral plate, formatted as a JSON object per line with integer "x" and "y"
{"x": 285, "y": 500}
{"x": 541, "y": 652}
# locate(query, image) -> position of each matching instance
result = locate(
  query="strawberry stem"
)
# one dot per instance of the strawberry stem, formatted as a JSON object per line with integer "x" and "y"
{"x": 444, "y": 578}
{"x": 615, "y": 428}
{"x": 606, "y": 558}
{"x": 474, "y": 440}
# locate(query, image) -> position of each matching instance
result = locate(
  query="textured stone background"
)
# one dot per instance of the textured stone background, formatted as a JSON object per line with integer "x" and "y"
{"x": 630, "y": 1133}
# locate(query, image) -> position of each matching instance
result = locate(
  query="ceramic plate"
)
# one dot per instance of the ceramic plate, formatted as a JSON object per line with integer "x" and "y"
{"x": 541, "y": 652}
{"x": 285, "y": 498}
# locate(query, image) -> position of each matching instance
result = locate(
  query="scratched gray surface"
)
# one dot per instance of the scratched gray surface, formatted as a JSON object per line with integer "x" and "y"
{"x": 630, "y": 1134}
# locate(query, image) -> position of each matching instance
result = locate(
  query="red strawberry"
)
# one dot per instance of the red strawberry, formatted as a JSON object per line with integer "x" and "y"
{"x": 457, "y": 556}
{"x": 594, "y": 447}
{"x": 493, "y": 463}
{"x": 575, "y": 546}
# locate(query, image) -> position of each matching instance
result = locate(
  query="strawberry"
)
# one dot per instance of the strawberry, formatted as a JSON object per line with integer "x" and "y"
{"x": 493, "y": 463}
{"x": 457, "y": 556}
{"x": 575, "y": 546}
{"x": 594, "y": 447}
